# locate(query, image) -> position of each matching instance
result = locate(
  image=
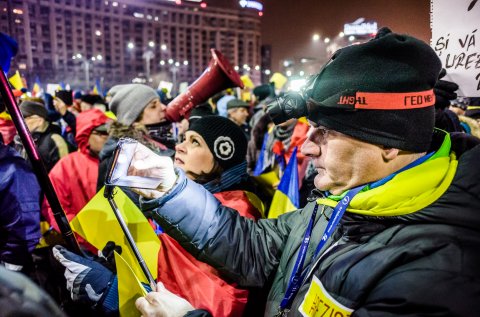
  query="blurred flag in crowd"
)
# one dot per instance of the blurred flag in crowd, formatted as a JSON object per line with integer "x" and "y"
{"x": 247, "y": 82}
{"x": 286, "y": 197}
{"x": 61, "y": 86}
{"x": 8, "y": 49}
{"x": 16, "y": 81}
{"x": 263, "y": 173}
{"x": 37, "y": 88}
{"x": 97, "y": 90}
{"x": 279, "y": 80}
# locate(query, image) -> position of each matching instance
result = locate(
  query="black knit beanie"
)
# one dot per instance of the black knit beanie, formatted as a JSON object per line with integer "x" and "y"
{"x": 380, "y": 92}
{"x": 224, "y": 138}
{"x": 200, "y": 111}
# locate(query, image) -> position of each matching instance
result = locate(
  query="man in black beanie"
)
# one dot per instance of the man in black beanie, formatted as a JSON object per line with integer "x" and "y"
{"x": 393, "y": 228}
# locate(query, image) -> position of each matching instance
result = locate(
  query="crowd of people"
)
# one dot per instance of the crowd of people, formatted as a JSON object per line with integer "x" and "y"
{"x": 389, "y": 194}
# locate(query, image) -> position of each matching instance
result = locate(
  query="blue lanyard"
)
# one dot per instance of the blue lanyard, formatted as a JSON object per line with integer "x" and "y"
{"x": 296, "y": 278}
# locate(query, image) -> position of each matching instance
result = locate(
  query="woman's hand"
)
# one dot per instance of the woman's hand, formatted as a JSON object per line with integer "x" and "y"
{"x": 163, "y": 303}
{"x": 146, "y": 163}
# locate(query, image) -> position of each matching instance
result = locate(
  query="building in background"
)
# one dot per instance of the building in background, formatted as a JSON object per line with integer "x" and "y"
{"x": 81, "y": 42}
{"x": 321, "y": 48}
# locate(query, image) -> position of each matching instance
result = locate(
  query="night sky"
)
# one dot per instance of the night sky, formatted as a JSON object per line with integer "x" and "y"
{"x": 288, "y": 25}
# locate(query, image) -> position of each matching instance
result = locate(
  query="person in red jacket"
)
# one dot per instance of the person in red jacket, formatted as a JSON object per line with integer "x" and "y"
{"x": 74, "y": 177}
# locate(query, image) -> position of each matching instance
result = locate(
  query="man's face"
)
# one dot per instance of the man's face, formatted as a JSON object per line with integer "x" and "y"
{"x": 84, "y": 106}
{"x": 96, "y": 141}
{"x": 238, "y": 115}
{"x": 341, "y": 161}
{"x": 34, "y": 122}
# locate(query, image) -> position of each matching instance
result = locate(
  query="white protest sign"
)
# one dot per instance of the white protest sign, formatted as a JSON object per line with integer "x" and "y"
{"x": 51, "y": 88}
{"x": 456, "y": 40}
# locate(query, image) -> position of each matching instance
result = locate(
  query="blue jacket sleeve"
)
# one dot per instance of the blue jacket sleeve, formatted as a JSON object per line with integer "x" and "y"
{"x": 20, "y": 197}
{"x": 246, "y": 251}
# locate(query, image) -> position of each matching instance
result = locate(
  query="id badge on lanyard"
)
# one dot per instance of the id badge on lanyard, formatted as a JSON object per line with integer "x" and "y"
{"x": 296, "y": 278}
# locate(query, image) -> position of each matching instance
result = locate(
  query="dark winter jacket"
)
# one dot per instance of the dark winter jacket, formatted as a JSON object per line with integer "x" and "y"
{"x": 406, "y": 248}
{"x": 50, "y": 144}
{"x": 20, "y": 198}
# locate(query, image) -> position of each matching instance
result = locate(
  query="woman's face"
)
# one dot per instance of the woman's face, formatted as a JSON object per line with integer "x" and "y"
{"x": 193, "y": 155}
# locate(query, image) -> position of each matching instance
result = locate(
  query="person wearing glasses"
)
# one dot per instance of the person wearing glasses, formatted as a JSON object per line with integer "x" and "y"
{"x": 394, "y": 227}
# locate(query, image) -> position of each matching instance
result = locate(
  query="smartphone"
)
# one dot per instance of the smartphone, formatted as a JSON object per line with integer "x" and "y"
{"x": 65, "y": 95}
{"x": 130, "y": 166}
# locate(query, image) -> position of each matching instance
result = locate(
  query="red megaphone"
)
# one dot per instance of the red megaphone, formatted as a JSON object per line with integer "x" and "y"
{"x": 218, "y": 76}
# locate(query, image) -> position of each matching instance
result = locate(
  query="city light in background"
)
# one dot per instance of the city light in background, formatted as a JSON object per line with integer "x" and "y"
{"x": 142, "y": 42}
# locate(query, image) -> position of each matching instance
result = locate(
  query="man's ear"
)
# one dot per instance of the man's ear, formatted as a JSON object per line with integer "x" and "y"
{"x": 389, "y": 154}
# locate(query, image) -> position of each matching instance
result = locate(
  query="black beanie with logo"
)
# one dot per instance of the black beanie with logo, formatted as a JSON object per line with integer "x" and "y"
{"x": 380, "y": 92}
{"x": 224, "y": 138}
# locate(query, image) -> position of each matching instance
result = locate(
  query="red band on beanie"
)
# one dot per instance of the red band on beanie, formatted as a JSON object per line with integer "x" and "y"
{"x": 390, "y": 100}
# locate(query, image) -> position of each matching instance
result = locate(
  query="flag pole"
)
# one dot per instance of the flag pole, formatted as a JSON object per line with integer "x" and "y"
{"x": 37, "y": 164}
{"x": 108, "y": 193}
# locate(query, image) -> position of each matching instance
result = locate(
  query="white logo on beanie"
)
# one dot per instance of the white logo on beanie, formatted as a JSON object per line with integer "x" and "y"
{"x": 224, "y": 148}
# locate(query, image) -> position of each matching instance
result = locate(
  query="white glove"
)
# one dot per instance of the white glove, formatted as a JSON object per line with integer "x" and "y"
{"x": 163, "y": 303}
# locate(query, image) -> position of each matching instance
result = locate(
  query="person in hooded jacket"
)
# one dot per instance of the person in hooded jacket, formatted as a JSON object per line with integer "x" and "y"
{"x": 75, "y": 176}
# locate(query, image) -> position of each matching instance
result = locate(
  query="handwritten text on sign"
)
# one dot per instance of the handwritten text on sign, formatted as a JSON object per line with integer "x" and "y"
{"x": 456, "y": 40}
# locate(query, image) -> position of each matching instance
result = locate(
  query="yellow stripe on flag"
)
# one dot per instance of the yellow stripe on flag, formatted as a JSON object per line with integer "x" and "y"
{"x": 97, "y": 224}
{"x": 247, "y": 82}
{"x": 129, "y": 288}
{"x": 280, "y": 204}
{"x": 279, "y": 80}
{"x": 16, "y": 81}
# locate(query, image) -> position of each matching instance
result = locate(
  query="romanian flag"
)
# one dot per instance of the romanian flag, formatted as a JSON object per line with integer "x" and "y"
{"x": 260, "y": 167}
{"x": 263, "y": 176}
{"x": 97, "y": 224}
{"x": 8, "y": 49}
{"x": 36, "y": 87}
{"x": 61, "y": 86}
{"x": 286, "y": 197}
{"x": 97, "y": 90}
{"x": 17, "y": 81}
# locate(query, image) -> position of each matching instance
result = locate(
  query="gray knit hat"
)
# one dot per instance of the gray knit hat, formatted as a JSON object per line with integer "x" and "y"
{"x": 128, "y": 101}
{"x": 30, "y": 108}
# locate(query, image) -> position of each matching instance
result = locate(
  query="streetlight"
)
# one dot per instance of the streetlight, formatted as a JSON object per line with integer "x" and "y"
{"x": 174, "y": 67}
{"x": 86, "y": 63}
{"x": 148, "y": 55}
{"x": 316, "y": 37}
